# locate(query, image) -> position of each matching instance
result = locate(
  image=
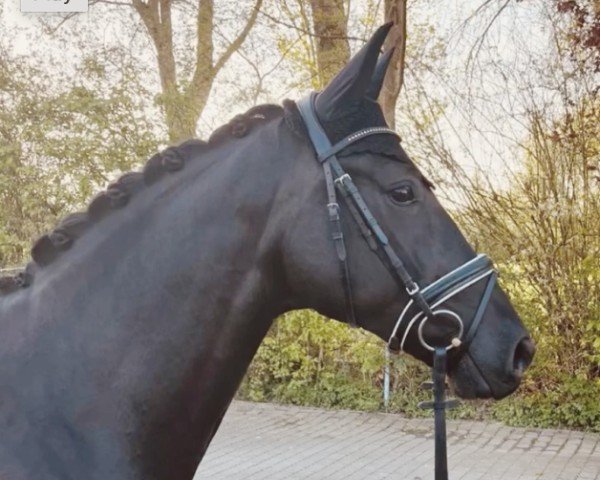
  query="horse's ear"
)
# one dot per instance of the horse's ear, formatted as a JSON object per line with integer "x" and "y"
{"x": 379, "y": 75}
{"x": 352, "y": 82}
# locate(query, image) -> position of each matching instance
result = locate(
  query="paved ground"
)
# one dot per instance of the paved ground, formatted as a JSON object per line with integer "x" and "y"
{"x": 272, "y": 442}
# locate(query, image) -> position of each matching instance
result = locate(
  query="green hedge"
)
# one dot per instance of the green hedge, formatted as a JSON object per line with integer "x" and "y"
{"x": 309, "y": 360}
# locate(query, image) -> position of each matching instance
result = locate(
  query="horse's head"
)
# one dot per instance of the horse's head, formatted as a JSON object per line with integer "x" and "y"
{"x": 491, "y": 361}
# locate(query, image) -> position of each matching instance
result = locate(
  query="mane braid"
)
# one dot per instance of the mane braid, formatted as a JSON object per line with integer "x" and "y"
{"x": 49, "y": 246}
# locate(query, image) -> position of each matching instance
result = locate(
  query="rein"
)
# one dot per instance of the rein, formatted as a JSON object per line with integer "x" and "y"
{"x": 427, "y": 302}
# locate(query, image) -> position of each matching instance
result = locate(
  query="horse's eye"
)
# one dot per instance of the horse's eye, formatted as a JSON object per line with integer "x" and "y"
{"x": 403, "y": 194}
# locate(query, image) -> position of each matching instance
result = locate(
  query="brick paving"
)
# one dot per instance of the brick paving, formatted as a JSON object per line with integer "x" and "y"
{"x": 275, "y": 442}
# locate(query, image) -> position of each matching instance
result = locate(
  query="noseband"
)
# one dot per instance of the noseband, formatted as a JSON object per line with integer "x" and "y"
{"x": 429, "y": 300}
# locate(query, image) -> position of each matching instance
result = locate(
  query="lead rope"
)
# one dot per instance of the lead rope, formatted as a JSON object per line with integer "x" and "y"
{"x": 439, "y": 406}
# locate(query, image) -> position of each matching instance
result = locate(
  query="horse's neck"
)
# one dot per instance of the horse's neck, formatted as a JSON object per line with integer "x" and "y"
{"x": 155, "y": 326}
{"x": 214, "y": 303}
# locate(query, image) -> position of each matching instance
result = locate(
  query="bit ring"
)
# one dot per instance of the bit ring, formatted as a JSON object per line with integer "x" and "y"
{"x": 455, "y": 343}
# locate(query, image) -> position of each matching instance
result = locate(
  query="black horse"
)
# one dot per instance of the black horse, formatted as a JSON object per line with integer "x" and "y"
{"x": 126, "y": 337}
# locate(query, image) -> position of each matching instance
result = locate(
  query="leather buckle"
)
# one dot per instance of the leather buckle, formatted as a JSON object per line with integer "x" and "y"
{"x": 340, "y": 180}
{"x": 334, "y": 211}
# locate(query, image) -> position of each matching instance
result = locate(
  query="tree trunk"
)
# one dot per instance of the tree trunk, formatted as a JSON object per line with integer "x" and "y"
{"x": 183, "y": 105}
{"x": 395, "y": 11}
{"x": 331, "y": 29}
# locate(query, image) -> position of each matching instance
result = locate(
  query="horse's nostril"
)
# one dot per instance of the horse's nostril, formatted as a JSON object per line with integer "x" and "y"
{"x": 523, "y": 355}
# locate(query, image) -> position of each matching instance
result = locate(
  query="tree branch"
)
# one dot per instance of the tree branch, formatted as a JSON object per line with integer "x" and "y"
{"x": 237, "y": 43}
{"x": 156, "y": 16}
{"x": 204, "y": 45}
{"x": 308, "y": 33}
{"x": 474, "y": 52}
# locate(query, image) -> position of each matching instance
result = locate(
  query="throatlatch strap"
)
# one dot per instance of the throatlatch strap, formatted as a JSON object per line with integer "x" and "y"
{"x": 321, "y": 142}
{"x": 337, "y": 234}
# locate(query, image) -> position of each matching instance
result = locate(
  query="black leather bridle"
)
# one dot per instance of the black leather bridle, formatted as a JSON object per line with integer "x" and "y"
{"x": 429, "y": 300}
{"x": 426, "y": 300}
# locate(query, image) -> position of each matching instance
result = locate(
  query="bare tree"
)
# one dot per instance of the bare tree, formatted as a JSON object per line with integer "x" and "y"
{"x": 184, "y": 99}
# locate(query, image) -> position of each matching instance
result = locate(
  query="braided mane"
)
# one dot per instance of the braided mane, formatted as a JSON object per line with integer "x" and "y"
{"x": 116, "y": 196}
